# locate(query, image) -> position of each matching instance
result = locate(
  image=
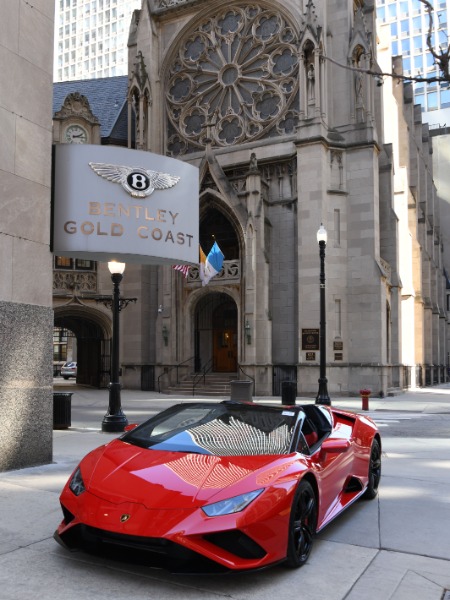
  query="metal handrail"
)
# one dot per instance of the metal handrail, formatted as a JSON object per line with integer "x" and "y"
{"x": 201, "y": 375}
{"x": 249, "y": 376}
{"x": 171, "y": 368}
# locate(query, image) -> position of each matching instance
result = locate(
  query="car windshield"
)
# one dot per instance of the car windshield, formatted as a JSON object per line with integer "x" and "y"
{"x": 225, "y": 429}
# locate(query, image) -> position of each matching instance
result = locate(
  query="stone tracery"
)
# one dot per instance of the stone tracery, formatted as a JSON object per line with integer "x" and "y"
{"x": 235, "y": 76}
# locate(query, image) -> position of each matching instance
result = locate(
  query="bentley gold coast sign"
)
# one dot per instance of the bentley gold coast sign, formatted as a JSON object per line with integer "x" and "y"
{"x": 129, "y": 205}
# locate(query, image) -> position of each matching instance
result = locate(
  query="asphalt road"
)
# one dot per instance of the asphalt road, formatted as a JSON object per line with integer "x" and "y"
{"x": 412, "y": 424}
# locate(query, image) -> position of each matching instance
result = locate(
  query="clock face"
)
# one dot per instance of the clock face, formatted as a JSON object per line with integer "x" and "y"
{"x": 75, "y": 134}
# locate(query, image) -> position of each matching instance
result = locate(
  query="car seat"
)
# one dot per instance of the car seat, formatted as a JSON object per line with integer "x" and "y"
{"x": 310, "y": 432}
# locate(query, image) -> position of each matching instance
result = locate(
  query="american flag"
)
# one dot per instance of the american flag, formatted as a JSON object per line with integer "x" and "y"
{"x": 183, "y": 268}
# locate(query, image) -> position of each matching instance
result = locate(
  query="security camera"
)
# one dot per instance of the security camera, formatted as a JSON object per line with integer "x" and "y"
{"x": 379, "y": 80}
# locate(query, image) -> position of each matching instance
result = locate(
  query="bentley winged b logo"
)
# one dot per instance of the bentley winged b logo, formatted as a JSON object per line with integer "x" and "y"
{"x": 138, "y": 182}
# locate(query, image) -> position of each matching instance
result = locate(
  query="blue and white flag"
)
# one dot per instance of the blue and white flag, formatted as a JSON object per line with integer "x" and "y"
{"x": 213, "y": 263}
{"x": 202, "y": 263}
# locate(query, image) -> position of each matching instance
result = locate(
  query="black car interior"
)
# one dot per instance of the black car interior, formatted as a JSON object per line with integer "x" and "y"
{"x": 316, "y": 426}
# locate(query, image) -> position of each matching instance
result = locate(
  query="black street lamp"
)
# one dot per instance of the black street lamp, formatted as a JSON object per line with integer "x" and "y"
{"x": 115, "y": 420}
{"x": 322, "y": 395}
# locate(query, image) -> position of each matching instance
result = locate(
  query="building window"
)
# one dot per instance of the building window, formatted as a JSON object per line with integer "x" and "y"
{"x": 388, "y": 332}
{"x": 381, "y": 14}
{"x": 445, "y": 98}
{"x": 418, "y": 45}
{"x": 417, "y": 25}
{"x": 418, "y": 62}
{"x": 85, "y": 265}
{"x": 63, "y": 262}
{"x": 337, "y": 227}
{"x": 392, "y": 9}
{"x": 404, "y": 25}
{"x": 66, "y": 263}
{"x": 443, "y": 40}
{"x": 338, "y": 316}
{"x": 420, "y": 99}
{"x": 432, "y": 99}
{"x": 403, "y": 9}
{"x": 60, "y": 336}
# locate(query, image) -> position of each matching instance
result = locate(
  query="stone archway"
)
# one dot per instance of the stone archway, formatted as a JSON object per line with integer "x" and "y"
{"x": 92, "y": 330}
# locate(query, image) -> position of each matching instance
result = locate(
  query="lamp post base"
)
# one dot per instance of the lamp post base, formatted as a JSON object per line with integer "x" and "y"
{"x": 114, "y": 423}
{"x": 115, "y": 420}
{"x": 323, "y": 400}
{"x": 322, "y": 395}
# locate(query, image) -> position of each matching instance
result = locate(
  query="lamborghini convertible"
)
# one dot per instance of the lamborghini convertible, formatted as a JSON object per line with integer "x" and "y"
{"x": 243, "y": 485}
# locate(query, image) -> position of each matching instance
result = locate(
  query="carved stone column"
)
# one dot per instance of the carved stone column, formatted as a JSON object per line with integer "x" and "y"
{"x": 256, "y": 294}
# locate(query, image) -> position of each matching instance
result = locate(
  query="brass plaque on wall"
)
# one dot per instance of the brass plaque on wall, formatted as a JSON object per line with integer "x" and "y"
{"x": 338, "y": 345}
{"x": 310, "y": 356}
{"x": 310, "y": 339}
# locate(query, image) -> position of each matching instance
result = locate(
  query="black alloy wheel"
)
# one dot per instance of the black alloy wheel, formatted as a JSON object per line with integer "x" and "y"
{"x": 302, "y": 525}
{"x": 374, "y": 471}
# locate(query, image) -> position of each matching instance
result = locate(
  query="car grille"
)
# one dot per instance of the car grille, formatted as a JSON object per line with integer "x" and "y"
{"x": 142, "y": 550}
{"x": 158, "y": 545}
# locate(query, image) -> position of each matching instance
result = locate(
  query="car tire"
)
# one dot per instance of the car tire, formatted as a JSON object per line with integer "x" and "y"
{"x": 374, "y": 471}
{"x": 302, "y": 525}
{"x": 65, "y": 377}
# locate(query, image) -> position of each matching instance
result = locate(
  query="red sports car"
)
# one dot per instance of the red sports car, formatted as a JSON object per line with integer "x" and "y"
{"x": 244, "y": 485}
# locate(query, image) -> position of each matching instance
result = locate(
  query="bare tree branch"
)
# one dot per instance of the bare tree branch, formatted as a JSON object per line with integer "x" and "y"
{"x": 441, "y": 58}
{"x": 383, "y": 74}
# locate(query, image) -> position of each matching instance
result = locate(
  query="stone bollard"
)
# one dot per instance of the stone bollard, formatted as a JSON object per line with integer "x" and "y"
{"x": 365, "y": 398}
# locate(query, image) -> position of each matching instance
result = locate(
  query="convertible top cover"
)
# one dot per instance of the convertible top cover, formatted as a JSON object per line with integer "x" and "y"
{"x": 225, "y": 429}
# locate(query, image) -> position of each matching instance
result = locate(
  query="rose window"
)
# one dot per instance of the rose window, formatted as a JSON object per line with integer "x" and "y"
{"x": 234, "y": 80}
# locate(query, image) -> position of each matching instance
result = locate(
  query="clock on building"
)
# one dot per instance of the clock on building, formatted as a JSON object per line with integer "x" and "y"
{"x": 75, "y": 134}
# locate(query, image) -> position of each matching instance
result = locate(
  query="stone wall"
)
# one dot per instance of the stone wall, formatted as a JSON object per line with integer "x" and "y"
{"x": 25, "y": 385}
{"x": 26, "y": 317}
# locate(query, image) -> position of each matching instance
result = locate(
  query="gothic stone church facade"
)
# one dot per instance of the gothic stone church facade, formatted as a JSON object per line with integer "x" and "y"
{"x": 272, "y": 102}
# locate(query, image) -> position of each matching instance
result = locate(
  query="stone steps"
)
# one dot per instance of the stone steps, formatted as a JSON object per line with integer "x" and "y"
{"x": 216, "y": 385}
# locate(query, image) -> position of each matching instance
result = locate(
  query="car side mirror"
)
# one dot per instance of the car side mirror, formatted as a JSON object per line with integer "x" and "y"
{"x": 335, "y": 446}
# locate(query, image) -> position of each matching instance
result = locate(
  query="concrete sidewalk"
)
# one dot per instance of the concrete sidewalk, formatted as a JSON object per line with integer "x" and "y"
{"x": 396, "y": 547}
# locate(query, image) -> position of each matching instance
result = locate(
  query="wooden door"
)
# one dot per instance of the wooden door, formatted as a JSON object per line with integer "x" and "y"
{"x": 225, "y": 350}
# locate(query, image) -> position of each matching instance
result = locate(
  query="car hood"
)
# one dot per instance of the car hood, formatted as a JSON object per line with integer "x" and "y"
{"x": 120, "y": 472}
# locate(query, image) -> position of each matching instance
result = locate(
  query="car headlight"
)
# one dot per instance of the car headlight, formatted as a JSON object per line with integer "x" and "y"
{"x": 76, "y": 484}
{"x": 231, "y": 505}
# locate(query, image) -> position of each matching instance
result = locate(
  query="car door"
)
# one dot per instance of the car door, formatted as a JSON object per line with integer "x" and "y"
{"x": 332, "y": 461}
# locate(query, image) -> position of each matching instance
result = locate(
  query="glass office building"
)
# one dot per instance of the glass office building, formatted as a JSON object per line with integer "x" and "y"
{"x": 409, "y": 25}
{"x": 91, "y": 38}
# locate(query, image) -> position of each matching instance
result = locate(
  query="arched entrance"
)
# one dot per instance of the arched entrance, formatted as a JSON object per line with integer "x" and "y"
{"x": 216, "y": 334}
{"x": 93, "y": 343}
